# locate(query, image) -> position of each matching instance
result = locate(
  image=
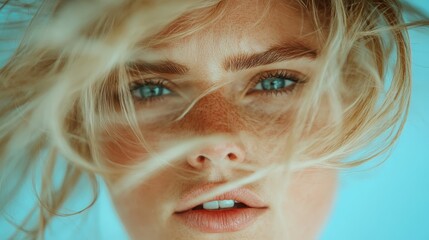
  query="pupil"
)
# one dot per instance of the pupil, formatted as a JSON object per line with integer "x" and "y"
{"x": 150, "y": 91}
{"x": 273, "y": 83}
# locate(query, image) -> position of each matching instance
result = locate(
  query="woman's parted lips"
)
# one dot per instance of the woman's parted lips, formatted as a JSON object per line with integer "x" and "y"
{"x": 243, "y": 195}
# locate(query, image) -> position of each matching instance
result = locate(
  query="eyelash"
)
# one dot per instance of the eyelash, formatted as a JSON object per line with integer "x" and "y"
{"x": 166, "y": 84}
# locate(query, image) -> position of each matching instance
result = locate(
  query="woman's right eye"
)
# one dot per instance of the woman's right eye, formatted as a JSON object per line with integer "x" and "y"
{"x": 150, "y": 90}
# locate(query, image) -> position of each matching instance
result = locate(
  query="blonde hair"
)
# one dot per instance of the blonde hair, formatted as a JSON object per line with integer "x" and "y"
{"x": 56, "y": 93}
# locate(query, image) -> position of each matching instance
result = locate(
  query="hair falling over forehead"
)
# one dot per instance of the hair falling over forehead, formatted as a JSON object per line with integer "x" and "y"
{"x": 60, "y": 95}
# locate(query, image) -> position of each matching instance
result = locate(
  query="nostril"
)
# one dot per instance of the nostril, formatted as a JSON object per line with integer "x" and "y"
{"x": 232, "y": 156}
{"x": 201, "y": 159}
{"x": 215, "y": 154}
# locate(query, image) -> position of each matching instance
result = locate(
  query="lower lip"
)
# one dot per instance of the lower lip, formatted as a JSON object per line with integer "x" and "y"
{"x": 228, "y": 220}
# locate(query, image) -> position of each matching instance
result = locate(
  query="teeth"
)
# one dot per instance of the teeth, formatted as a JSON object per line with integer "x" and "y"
{"x": 226, "y": 204}
{"x": 213, "y": 205}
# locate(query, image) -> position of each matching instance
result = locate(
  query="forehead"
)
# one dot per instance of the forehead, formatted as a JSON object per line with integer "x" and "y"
{"x": 243, "y": 26}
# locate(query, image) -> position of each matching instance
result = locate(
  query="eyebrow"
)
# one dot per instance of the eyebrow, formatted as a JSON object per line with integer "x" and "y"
{"x": 277, "y": 53}
{"x": 166, "y": 67}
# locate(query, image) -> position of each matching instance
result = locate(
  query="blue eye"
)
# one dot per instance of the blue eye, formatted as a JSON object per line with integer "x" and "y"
{"x": 147, "y": 91}
{"x": 275, "y": 83}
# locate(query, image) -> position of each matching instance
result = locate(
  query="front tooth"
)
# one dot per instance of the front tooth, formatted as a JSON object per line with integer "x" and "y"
{"x": 211, "y": 205}
{"x": 226, "y": 203}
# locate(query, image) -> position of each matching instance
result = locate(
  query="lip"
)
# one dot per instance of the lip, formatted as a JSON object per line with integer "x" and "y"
{"x": 227, "y": 220}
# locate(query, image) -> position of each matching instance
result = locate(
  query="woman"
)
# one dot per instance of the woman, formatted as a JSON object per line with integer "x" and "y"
{"x": 206, "y": 119}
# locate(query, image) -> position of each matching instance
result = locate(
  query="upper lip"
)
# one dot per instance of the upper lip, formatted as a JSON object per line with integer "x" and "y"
{"x": 243, "y": 195}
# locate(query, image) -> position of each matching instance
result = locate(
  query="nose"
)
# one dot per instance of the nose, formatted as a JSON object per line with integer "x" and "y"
{"x": 213, "y": 114}
{"x": 215, "y": 154}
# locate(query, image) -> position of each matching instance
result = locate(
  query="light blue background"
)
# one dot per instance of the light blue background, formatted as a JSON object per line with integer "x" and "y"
{"x": 389, "y": 202}
{"x": 392, "y": 201}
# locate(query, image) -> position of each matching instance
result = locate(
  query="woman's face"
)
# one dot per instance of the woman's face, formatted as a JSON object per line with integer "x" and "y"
{"x": 266, "y": 61}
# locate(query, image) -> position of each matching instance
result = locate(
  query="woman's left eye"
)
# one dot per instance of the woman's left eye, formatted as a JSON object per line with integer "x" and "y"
{"x": 150, "y": 90}
{"x": 277, "y": 82}
{"x": 274, "y": 83}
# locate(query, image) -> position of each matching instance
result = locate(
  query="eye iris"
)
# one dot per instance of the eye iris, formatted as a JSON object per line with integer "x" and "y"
{"x": 273, "y": 83}
{"x": 149, "y": 91}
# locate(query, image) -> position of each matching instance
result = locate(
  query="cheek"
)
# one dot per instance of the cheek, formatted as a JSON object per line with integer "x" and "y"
{"x": 309, "y": 201}
{"x": 122, "y": 146}
{"x": 145, "y": 209}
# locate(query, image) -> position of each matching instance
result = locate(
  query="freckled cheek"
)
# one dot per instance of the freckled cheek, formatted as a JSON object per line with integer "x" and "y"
{"x": 125, "y": 147}
{"x": 121, "y": 145}
{"x": 120, "y": 153}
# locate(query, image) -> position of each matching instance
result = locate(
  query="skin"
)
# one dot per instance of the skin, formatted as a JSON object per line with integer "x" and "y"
{"x": 147, "y": 212}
